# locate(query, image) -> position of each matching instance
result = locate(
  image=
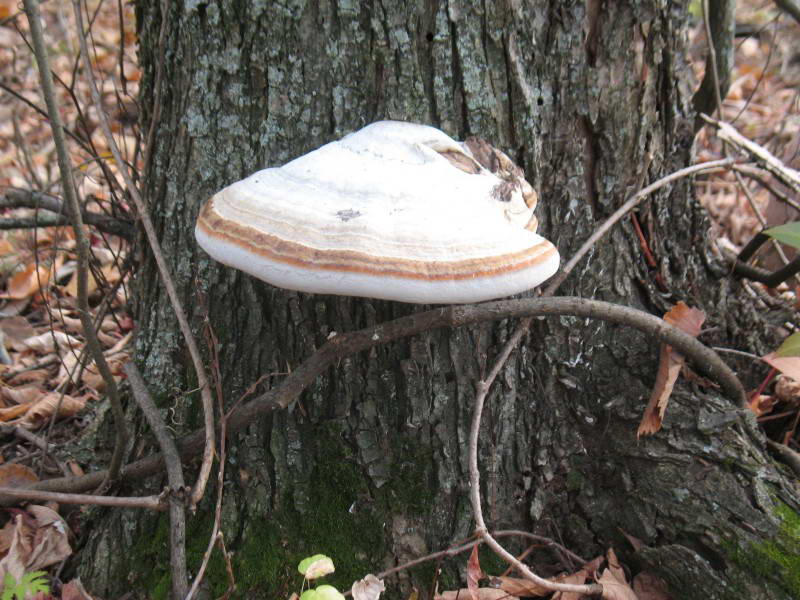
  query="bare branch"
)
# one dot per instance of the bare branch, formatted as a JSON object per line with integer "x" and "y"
{"x": 19, "y": 198}
{"x": 630, "y": 204}
{"x": 177, "y": 515}
{"x": 148, "y": 502}
{"x": 163, "y": 269}
{"x": 82, "y": 242}
{"x": 728, "y": 133}
{"x": 706, "y": 361}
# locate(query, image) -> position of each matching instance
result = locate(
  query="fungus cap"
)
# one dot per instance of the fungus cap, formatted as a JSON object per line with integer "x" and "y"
{"x": 396, "y": 211}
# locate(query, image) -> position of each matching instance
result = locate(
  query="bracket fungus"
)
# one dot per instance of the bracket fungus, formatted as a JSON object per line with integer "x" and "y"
{"x": 396, "y": 211}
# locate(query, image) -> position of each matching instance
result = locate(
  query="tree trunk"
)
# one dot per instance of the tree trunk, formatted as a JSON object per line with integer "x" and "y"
{"x": 594, "y": 100}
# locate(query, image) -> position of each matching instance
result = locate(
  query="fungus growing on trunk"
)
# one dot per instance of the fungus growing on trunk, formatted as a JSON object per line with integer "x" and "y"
{"x": 396, "y": 211}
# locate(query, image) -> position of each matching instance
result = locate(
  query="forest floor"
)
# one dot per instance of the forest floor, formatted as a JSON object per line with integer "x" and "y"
{"x": 50, "y": 392}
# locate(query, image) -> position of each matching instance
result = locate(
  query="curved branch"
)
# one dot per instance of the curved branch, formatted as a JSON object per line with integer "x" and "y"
{"x": 704, "y": 359}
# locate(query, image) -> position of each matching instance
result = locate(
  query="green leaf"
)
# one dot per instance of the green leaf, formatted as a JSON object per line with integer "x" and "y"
{"x": 30, "y": 584}
{"x": 315, "y": 566}
{"x": 788, "y": 234}
{"x": 9, "y": 586}
{"x": 328, "y": 592}
{"x": 790, "y": 346}
{"x": 310, "y": 595}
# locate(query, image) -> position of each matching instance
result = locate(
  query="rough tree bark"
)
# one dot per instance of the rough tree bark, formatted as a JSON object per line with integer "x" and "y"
{"x": 593, "y": 100}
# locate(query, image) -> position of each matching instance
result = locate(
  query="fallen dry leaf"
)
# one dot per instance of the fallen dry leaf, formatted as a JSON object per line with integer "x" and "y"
{"x": 51, "y": 544}
{"x": 516, "y": 586}
{"x": 577, "y": 578}
{"x": 16, "y": 329}
{"x": 761, "y": 404}
{"x": 13, "y": 412}
{"x": 689, "y": 320}
{"x": 525, "y": 587}
{"x": 613, "y": 589}
{"x": 39, "y": 539}
{"x": 788, "y": 365}
{"x": 369, "y": 588}
{"x": 75, "y": 468}
{"x": 40, "y": 411}
{"x": 33, "y": 376}
{"x": 5, "y": 246}
{"x": 635, "y": 542}
{"x": 614, "y": 566}
{"x": 71, "y": 324}
{"x": 20, "y": 395}
{"x": 25, "y": 283}
{"x": 92, "y": 378}
{"x": 107, "y": 340}
{"x": 68, "y": 369}
{"x": 615, "y": 584}
{"x": 110, "y": 275}
{"x": 46, "y": 342}
{"x": 474, "y": 573}
{"x": 14, "y": 475}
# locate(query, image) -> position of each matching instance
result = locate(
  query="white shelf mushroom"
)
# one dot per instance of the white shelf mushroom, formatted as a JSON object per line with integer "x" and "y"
{"x": 396, "y": 211}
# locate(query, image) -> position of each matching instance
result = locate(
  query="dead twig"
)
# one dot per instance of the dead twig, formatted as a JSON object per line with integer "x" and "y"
{"x": 762, "y": 177}
{"x": 148, "y": 502}
{"x": 484, "y": 386}
{"x": 481, "y": 530}
{"x": 728, "y": 133}
{"x": 82, "y": 242}
{"x": 467, "y": 546}
{"x": 19, "y": 198}
{"x": 708, "y": 167}
{"x": 177, "y": 491}
{"x": 216, "y": 534}
{"x": 169, "y": 285}
{"x": 705, "y": 360}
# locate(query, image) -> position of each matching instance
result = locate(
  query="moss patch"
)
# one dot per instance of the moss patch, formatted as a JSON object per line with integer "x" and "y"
{"x": 776, "y": 560}
{"x": 266, "y": 556}
{"x": 409, "y": 489}
{"x": 149, "y": 562}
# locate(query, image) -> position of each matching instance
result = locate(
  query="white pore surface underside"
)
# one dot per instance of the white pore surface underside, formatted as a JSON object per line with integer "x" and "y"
{"x": 344, "y": 283}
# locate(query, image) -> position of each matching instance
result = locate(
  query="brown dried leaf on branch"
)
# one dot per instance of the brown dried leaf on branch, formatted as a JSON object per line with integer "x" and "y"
{"x": 689, "y": 320}
{"x": 517, "y": 586}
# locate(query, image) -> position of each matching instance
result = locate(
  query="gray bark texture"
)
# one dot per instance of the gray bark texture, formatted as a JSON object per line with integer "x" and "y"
{"x": 594, "y": 100}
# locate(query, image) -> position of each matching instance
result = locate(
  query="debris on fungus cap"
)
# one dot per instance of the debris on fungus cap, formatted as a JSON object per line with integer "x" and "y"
{"x": 396, "y": 211}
